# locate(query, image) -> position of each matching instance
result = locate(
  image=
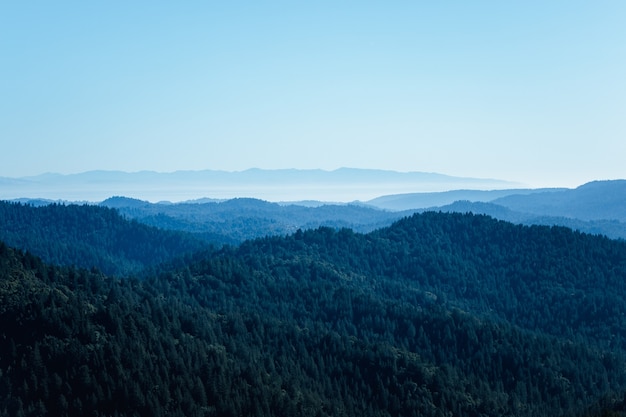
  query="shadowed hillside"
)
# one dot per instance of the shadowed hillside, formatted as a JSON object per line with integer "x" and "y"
{"x": 90, "y": 236}
{"x": 438, "y": 314}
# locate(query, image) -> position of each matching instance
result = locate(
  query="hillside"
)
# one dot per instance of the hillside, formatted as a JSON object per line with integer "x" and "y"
{"x": 610, "y": 228}
{"x": 598, "y": 200}
{"x": 233, "y": 221}
{"x": 438, "y": 314}
{"x": 597, "y": 207}
{"x": 90, "y": 236}
{"x": 481, "y": 265}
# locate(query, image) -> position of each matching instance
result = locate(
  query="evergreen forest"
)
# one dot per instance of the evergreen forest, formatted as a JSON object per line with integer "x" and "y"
{"x": 89, "y": 236}
{"x": 439, "y": 314}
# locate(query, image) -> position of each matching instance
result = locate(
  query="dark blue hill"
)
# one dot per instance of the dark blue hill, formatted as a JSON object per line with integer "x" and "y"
{"x": 598, "y": 200}
{"x": 235, "y": 220}
{"x": 90, "y": 236}
{"x": 437, "y": 314}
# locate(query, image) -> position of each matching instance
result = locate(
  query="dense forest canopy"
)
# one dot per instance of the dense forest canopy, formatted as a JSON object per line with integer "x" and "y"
{"x": 90, "y": 236}
{"x": 438, "y": 314}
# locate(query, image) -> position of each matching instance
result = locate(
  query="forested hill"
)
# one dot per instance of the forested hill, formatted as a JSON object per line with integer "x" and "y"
{"x": 439, "y": 314}
{"x": 614, "y": 229}
{"x": 596, "y": 200}
{"x": 90, "y": 236}
{"x": 553, "y": 279}
{"x": 233, "y": 221}
{"x": 598, "y": 207}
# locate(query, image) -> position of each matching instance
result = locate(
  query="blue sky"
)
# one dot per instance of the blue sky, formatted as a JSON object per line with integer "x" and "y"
{"x": 528, "y": 91}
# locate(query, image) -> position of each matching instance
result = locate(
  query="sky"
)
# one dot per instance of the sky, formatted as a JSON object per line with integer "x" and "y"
{"x": 525, "y": 91}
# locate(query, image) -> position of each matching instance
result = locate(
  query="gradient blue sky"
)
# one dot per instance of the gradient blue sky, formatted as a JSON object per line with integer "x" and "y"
{"x": 528, "y": 91}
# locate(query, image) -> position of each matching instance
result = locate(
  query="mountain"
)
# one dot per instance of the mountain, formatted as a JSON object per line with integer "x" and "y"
{"x": 124, "y": 235}
{"x": 412, "y": 201}
{"x": 598, "y": 200}
{"x": 343, "y": 185}
{"x": 233, "y": 221}
{"x": 613, "y": 229}
{"x": 90, "y": 236}
{"x": 597, "y": 207}
{"x": 438, "y": 314}
{"x": 595, "y": 200}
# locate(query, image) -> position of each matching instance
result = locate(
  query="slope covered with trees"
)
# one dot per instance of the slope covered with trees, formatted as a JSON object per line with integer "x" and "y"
{"x": 90, "y": 236}
{"x": 596, "y": 200}
{"x": 439, "y": 314}
{"x": 233, "y": 221}
{"x": 612, "y": 228}
{"x": 598, "y": 207}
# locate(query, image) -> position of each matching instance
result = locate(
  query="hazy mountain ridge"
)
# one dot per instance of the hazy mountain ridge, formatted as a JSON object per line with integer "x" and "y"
{"x": 610, "y": 228}
{"x": 597, "y": 200}
{"x": 411, "y": 201}
{"x": 245, "y": 218}
{"x": 235, "y": 220}
{"x": 124, "y": 236}
{"x": 344, "y": 184}
{"x": 598, "y": 207}
{"x": 593, "y": 200}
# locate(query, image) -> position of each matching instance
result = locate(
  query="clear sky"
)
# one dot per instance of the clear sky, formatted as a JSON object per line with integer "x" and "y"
{"x": 528, "y": 91}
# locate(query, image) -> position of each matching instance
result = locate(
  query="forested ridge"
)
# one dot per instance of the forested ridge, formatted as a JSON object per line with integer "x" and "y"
{"x": 610, "y": 227}
{"x": 439, "y": 314}
{"x": 235, "y": 220}
{"x": 90, "y": 236}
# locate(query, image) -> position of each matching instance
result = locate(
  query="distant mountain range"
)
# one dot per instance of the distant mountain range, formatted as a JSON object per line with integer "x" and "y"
{"x": 597, "y": 207}
{"x": 398, "y": 202}
{"x": 228, "y": 207}
{"x": 592, "y": 201}
{"x": 233, "y": 221}
{"x": 342, "y": 185}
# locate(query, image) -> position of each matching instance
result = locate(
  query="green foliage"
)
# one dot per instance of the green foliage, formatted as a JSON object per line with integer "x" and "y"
{"x": 439, "y": 314}
{"x": 90, "y": 236}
